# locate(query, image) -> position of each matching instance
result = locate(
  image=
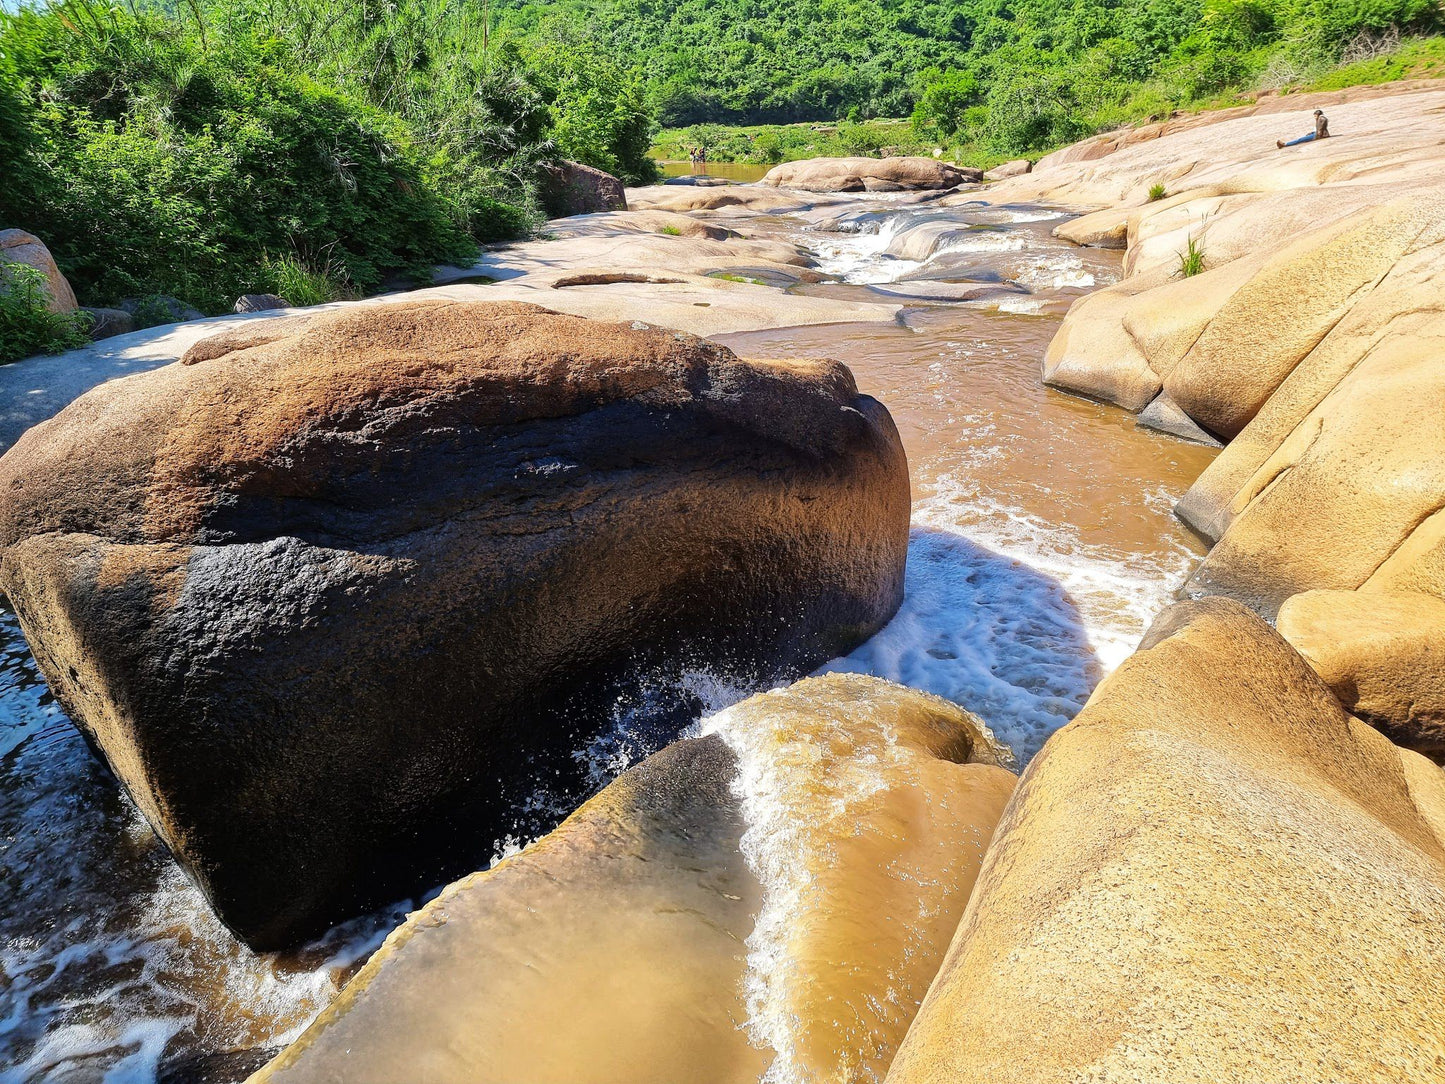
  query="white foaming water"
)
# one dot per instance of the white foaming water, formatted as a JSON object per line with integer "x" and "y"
{"x": 1054, "y": 271}
{"x": 857, "y": 253}
{"x": 1039, "y": 215}
{"x": 978, "y": 241}
{"x": 1017, "y": 622}
{"x": 773, "y": 844}
{"x": 1020, "y": 306}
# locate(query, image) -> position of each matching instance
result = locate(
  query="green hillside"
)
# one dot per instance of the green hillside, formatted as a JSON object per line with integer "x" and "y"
{"x": 1023, "y": 73}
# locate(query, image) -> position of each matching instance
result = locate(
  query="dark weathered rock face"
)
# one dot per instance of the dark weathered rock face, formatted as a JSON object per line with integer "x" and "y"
{"x": 260, "y": 303}
{"x": 570, "y": 188}
{"x": 330, "y": 594}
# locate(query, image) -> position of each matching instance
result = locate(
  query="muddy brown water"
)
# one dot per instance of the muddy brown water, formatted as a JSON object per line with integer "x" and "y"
{"x": 1043, "y": 544}
{"x": 742, "y": 172}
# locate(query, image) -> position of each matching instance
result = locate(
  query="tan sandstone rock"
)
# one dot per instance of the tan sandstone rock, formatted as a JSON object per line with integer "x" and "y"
{"x": 734, "y": 197}
{"x": 776, "y": 893}
{"x": 1347, "y": 487}
{"x": 1215, "y": 875}
{"x": 1283, "y": 311}
{"x": 1108, "y": 228}
{"x": 1015, "y": 168}
{"x": 869, "y": 174}
{"x": 1093, "y": 353}
{"x": 1407, "y": 302}
{"x": 1383, "y": 654}
{"x": 17, "y": 246}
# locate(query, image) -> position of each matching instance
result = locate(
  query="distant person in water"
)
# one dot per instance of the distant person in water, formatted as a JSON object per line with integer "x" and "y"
{"x": 1322, "y": 131}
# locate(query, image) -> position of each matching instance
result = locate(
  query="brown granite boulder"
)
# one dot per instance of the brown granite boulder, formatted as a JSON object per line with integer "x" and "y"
{"x": 570, "y": 188}
{"x": 333, "y": 594}
{"x": 17, "y": 246}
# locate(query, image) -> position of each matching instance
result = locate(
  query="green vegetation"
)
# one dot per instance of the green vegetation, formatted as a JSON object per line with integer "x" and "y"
{"x": 27, "y": 326}
{"x": 746, "y": 280}
{"x": 769, "y": 144}
{"x": 979, "y": 78}
{"x": 311, "y": 148}
{"x": 1156, "y": 193}
{"x": 1191, "y": 260}
{"x": 321, "y": 148}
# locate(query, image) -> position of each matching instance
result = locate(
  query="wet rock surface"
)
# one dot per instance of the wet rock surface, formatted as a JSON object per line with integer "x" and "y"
{"x": 329, "y": 591}
{"x": 742, "y": 903}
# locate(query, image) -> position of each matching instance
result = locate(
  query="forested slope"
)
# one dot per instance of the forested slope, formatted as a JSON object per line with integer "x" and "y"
{"x": 1046, "y": 70}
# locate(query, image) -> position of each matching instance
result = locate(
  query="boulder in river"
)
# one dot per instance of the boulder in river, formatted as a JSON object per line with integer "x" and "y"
{"x": 333, "y": 594}
{"x": 19, "y": 247}
{"x": 260, "y": 303}
{"x": 869, "y": 174}
{"x": 776, "y": 893}
{"x": 1213, "y": 874}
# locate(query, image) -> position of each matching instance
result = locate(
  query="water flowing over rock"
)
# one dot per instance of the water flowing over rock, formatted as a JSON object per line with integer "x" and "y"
{"x": 1213, "y": 874}
{"x": 1310, "y": 341}
{"x": 772, "y": 897}
{"x": 869, "y": 174}
{"x": 331, "y": 593}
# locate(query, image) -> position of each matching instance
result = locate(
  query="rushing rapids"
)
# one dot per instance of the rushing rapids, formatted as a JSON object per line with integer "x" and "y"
{"x": 1042, "y": 544}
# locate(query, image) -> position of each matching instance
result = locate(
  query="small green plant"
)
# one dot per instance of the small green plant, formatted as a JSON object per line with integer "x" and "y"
{"x": 1191, "y": 260}
{"x": 1156, "y": 193}
{"x": 27, "y": 326}
{"x": 672, "y": 231}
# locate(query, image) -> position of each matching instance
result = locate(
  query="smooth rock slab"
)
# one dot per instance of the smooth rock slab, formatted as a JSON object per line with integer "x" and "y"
{"x": 1213, "y": 874}
{"x": 1383, "y": 654}
{"x": 333, "y": 594}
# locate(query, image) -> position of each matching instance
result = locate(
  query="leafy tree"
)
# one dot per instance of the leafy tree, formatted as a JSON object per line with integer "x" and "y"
{"x": 942, "y": 105}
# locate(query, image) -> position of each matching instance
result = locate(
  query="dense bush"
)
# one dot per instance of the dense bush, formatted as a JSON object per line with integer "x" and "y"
{"x": 234, "y": 146}
{"x": 27, "y": 326}
{"x": 161, "y": 164}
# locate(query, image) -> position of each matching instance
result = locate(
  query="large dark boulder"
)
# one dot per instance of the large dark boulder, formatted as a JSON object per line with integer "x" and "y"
{"x": 570, "y": 188}
{"x": 335, "y": 594}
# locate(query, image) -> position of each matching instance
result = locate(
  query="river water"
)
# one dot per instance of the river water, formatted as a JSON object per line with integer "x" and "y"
{"x": 1042, "y": 545}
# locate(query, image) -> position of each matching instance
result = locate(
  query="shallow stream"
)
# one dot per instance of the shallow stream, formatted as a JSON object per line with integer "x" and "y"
{"x": 1042, "y": 545}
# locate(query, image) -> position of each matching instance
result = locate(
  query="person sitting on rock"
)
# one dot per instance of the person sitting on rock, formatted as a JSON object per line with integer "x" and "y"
{"x": 1322, "y": 131}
